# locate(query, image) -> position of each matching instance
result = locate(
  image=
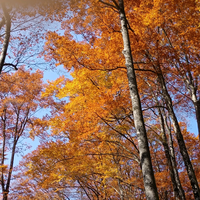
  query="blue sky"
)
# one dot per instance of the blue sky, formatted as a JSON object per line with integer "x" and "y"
{"x": 53, "y": 74}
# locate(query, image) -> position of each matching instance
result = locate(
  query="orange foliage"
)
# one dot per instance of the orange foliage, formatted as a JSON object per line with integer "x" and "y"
{"x": 94, "y": 148}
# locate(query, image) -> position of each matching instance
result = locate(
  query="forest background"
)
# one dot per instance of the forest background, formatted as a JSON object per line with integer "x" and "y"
{"x": 117, "y": 123}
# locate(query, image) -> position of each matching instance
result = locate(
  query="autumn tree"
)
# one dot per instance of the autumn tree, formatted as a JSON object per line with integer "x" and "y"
{"x": 22, "y": 28}
{"x": 149, "y": 180}
{"x": 103, "y": 134}
{"x": 20, "y": 99}
{"x": 99, "y": 111}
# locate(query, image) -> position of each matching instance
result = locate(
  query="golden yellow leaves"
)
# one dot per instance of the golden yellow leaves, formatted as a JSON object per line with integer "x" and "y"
{"x": 20, "y": 96}
{"x": 96, "y": 121}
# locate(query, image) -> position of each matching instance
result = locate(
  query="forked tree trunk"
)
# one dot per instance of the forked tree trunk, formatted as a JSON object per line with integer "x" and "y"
{"x": 145, "y": 159}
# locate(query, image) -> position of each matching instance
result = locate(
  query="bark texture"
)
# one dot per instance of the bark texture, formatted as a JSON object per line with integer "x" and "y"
{"x": 179, "y": 136}
{"x": 145, "y": 159}
{"x": 177, "y": 187}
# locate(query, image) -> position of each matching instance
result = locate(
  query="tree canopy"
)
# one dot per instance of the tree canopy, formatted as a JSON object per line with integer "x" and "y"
{"x": 119, "y": 128}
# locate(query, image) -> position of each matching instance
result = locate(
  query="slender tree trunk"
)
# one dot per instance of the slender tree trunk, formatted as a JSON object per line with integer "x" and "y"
{"x": 11, "y": 168}
{"x": 169, "y": 151}
{"x": 173, "y": 159}
{"x": 145, "y": 159}
{"x": 177, "y": 187}
{"x": 192, "y": 86}
{"x": 3, "y": 118}
{"x": 7, "y": 36}
{"x": 168, "y": 148}
{"x": 197, "y": 112}
{"x": 191, "y": 83}
{"x": 179, "y": 136}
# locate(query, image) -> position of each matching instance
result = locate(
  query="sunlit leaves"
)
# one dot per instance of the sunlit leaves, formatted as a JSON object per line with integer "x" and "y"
{"x": 94, "y": 141}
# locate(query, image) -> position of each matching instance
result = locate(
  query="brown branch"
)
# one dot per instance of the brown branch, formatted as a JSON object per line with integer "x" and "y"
{"x": 110, "y": 5}
{"x": 10, "y": 64}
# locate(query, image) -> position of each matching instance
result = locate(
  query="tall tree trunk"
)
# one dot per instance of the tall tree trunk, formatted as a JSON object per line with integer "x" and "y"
{"x": 197, "y": 112}
{"x": 168, "y": 149}
{"x": 177, "y": 187}
{"x": 197, "y": 108}
{"x": 192, "y": 86}
{"x": 6, "y": 37}
{"x": 10, "y": 170}
{"x": 179, "y": 136}
{"x": 3, "y": 154}
{"x": 145, "y": 159}
{"x": 190, "y": 81}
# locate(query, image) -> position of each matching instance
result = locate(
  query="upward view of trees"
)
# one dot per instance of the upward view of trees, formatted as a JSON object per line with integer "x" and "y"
{"x": 120, "y": 127}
